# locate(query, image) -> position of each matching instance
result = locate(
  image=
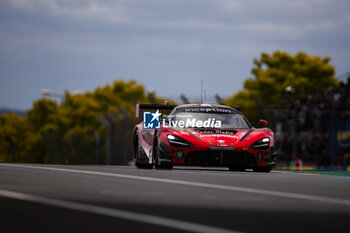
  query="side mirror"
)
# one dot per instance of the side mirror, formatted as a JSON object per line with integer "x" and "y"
{"x": 263, "y": 123}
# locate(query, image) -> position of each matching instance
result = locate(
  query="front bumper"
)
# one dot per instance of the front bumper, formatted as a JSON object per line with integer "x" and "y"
{"x": 223, "y": 158}
{"x": 218, "y": 156}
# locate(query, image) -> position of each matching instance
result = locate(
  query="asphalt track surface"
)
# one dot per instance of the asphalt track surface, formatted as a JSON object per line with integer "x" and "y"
{"x": 57, "y": 198}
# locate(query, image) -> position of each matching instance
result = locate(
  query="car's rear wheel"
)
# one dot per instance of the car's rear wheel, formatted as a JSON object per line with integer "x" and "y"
{"x": 158, "y": 156}
{"x": 137, "y": 154}
{"x": 262, "y": 169}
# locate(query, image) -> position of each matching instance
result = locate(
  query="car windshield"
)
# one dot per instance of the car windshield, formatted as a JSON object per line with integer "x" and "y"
{"x": 209, "y": 120}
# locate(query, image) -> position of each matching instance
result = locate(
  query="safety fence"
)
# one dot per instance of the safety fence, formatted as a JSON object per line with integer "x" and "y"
{"x": 318, "y": 135}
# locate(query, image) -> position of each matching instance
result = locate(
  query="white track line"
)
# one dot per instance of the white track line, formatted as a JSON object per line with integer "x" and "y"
{"x": 197, "y": 184}
{"x": 136, "y": 217}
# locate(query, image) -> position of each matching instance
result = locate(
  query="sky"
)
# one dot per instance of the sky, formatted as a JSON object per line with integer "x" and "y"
{"x": 167, "y": 45}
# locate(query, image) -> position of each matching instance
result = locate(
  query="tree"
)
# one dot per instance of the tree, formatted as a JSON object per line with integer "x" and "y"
{"x": 305, "y": 75}
{"x": 42, "y": 113}
{"x": 11, "y": 129}
{"x": 67, "y": 131}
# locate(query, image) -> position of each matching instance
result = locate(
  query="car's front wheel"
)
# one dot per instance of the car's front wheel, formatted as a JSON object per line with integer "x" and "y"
{"x": 137, "y": 154}
{"x": 159, "y": 159}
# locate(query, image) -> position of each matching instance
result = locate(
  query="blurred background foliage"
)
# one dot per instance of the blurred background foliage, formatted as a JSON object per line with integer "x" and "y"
{"x": 71, "y": 131}
{"x": 279, "y": 74}
{"x": 70, "y": 125}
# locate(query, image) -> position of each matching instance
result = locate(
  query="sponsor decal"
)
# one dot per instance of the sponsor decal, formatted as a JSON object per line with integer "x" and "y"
{"x": 221, "y": 143}
{"x": 151, "y": 120}
{"x": 213, "y": 110}
{"x": 216, "y": 131}
{"x": 341, "y": 136}
{"x": 217, "y": 136}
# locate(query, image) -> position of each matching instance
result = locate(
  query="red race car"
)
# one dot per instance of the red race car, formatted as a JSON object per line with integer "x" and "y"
{"x": 202, "y": 135}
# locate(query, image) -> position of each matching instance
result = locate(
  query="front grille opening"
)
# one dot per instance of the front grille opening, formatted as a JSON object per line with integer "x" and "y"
{"x": 220, "y": 158}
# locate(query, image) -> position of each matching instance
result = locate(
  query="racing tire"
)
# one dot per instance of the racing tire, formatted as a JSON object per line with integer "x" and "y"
{"x": 137, "y": 153}
{"x": 262, "y": 169}
{"x": 156, "y": 154}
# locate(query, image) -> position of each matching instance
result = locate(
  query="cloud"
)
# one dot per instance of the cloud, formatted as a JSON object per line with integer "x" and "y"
{"x": 81, "y": 44}
{"x": 103, "y": 11}
{"x": 221, "y": 27}
{"x": 288, "y": 19}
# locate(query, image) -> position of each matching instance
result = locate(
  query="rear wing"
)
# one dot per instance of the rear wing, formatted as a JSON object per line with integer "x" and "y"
{"x": 153, "y": 106}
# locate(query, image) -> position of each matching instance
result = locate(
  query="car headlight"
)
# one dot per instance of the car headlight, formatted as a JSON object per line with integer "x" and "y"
{"x": 262, "y": 144}
{"x": 177, "y": 141}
